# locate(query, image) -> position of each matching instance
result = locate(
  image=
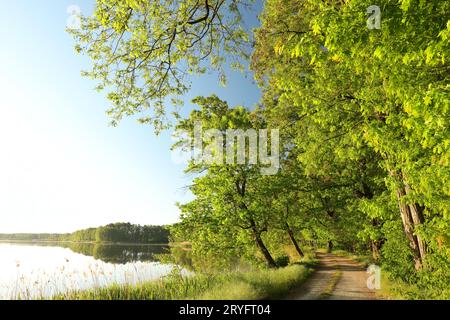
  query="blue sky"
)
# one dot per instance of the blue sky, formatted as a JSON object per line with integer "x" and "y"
{"x": 62, "y": 167}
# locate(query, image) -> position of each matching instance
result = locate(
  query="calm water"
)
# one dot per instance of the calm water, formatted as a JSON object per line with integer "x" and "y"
{"x": 30, "y": 270}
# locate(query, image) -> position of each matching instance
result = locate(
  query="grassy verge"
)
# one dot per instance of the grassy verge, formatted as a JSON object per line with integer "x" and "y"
{"x": 400, "y": 290}
{"x": 254, "y": 285}
{"x": 396, "y": 289}
{"x": 331, "y": 285}
{"x": 389, "y": 289}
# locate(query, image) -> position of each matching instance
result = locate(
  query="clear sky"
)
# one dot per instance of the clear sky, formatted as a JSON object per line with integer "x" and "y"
{"x": 62, "y": 167}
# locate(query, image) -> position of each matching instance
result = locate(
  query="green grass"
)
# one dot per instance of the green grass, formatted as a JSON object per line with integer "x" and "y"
{"x": 331, "y": 285}
{"x": 265, "y": 284}
{"x": 254, "y": 285}
{"x": 396, "y": 289}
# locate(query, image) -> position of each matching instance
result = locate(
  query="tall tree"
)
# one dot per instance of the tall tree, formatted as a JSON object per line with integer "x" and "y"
{"x": 386, "y": 90}
{"x": 144, "y": 51}
{"x": 230, "y": 190}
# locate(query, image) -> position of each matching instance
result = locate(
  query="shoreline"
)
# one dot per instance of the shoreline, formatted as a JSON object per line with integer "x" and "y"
{"x": 37, "y": 241}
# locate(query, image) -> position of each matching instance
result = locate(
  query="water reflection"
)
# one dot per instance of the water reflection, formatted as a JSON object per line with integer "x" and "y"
{"x": 34, "y": 270}
{"x": 111, "y": 253}
{"x": 119, "y": 254}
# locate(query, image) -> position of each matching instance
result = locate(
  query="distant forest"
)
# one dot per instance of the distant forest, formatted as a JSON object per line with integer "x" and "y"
{"x": 115, "y": 232}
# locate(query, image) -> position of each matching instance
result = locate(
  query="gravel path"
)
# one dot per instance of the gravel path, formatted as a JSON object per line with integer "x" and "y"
{"x": 335, "y": 278}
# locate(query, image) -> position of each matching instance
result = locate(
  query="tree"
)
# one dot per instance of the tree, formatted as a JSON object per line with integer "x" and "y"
{"x": 363, "y": 116}
{"x": 144, "y": 51}
{"x": 226, "y": 194}
{"x": 382, "y": 93}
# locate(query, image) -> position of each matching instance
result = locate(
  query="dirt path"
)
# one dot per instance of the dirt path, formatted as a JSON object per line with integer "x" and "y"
{"x": 335, "y": 278}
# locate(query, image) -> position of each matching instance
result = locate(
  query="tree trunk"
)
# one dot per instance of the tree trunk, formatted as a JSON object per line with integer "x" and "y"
{"x": 376, "y": 249}
{"x": 260, "y": 244}
{"x": 412, "y": 217}
{"x": 330, "y": 246}
{"x": 294, "y": 242}
{"x": 418, "y": 219}
{"x": 376, "y": 244}
{"x": 262, "y": 247}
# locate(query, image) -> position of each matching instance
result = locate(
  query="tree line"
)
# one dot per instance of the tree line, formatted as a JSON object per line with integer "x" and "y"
{"x": 115, "y": 232}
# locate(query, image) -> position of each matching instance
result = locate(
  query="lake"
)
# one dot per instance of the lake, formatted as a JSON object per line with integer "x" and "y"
{"x": 33, "y": 270}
